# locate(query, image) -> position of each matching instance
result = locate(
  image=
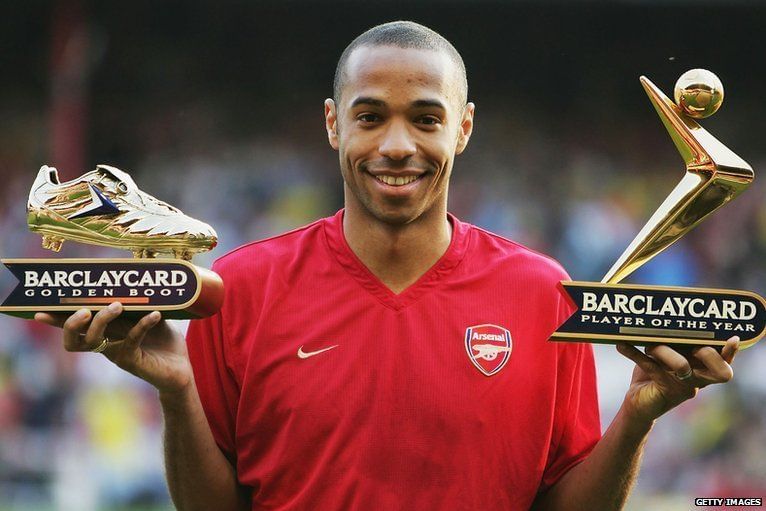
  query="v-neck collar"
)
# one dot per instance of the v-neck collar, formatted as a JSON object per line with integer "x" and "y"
{"x": 336, "y": 240}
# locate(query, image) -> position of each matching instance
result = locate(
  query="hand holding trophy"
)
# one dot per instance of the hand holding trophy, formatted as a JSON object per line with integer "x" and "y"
{"x": 115, "y": 306}
{"x": 608, "y": 312}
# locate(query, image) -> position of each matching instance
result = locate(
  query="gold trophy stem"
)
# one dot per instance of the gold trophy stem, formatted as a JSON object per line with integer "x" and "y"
{"x": 714, "y": 176}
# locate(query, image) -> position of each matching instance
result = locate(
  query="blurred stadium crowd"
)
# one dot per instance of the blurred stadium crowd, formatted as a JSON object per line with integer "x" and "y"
{"x": 78, "y": 434}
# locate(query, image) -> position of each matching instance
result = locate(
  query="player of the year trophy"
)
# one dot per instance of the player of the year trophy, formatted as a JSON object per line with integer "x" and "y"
{"x": 609, "y": 312}
{"x": 105, "y": 207}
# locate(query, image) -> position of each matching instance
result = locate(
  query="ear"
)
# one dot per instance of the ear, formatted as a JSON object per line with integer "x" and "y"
{"x": 466, "y": 128}
{"x": 331, "y": 122}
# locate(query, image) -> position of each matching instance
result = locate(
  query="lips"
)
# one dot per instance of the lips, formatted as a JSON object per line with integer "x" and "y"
{"x": 395, "y": 176}
{"x": 396, "y": 180}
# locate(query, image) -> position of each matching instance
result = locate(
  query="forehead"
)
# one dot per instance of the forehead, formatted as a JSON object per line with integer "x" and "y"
{"x": 386, "y": 71}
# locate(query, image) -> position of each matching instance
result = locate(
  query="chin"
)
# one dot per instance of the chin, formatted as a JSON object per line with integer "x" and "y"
{"x": 394, "y": 216}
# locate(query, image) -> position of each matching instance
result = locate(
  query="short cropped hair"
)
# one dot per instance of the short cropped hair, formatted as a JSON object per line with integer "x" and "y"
{"x": 404, "y": 34}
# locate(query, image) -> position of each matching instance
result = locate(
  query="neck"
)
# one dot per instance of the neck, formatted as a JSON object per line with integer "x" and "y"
{"x": 398, "y": 255}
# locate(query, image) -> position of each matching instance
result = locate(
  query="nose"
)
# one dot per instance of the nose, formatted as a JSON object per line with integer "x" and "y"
{"x": 397, "y": 143}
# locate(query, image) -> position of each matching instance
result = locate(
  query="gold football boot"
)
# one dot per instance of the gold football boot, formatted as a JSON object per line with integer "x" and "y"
{"x": 105, "y": 207}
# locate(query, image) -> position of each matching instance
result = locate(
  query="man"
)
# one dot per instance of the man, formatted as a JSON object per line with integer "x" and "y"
{"x": 346, "y": 370}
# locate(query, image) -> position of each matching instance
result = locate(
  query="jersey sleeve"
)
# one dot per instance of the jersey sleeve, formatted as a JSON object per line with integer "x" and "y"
{"x": 578, "y": 425}
{"x": 217, "y": 387}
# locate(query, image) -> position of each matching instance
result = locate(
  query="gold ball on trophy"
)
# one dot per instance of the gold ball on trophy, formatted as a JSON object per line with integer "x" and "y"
{"x": 699, "y": 93}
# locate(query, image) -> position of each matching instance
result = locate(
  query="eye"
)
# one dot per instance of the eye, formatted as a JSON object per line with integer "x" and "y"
{"x": 368, "y": 118}
{"x": 428, "y": 120}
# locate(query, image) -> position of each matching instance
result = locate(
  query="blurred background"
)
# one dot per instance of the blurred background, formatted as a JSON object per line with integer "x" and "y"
{"x": 214, "y": 104}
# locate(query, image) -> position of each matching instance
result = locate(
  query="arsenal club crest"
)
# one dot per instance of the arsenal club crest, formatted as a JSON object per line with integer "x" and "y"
{"x": 489, "y": 347}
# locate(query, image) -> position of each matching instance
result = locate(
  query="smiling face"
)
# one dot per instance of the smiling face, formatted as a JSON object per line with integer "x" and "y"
{"x": 399, "y": 123}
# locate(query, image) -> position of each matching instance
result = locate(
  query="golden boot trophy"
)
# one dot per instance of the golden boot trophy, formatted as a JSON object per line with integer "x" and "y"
{"x": 105, "y": 207}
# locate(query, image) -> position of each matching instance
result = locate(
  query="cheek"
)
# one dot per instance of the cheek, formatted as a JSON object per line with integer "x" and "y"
{"x": 355, "y": 147}
{"x": 441, "y": 153}
{"x": 347, "y": 148}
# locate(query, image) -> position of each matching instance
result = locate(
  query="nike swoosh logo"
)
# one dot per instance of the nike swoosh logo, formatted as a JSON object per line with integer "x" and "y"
{"x": 307, "y": 354}
{"x": 100, "y": 205}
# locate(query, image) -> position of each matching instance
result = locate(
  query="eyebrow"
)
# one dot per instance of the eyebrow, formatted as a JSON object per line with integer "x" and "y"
{"x": 418, "y": 103}
{"x": 366, "y": 100}
{"x": 428, "y": 103}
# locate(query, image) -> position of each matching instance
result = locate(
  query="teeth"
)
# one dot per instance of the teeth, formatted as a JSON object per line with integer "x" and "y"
{"x": 396, "y": 181}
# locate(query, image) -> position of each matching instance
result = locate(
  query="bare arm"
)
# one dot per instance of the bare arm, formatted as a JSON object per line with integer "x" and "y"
{"x": 605, "y": 478}
{"x": 199, "y": 475}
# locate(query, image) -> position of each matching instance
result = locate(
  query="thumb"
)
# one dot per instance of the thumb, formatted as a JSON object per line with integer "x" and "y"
{"x": 137, "y": 334}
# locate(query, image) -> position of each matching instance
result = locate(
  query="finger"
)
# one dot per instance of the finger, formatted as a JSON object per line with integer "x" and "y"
{"x": 97, "y": 330}
{"x": 731, "y": 349}
{"x": 49, "y": 319}
{"x": 670, "y": 359}
{"x": 74, "y": 326}
{"x": 718, "y": 370}
{"x": 137, "y": 334}
{"x": 646, "y": 363}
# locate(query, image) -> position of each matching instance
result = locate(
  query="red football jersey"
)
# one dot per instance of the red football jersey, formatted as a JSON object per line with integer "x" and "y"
{"x": 330, "y": 392}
